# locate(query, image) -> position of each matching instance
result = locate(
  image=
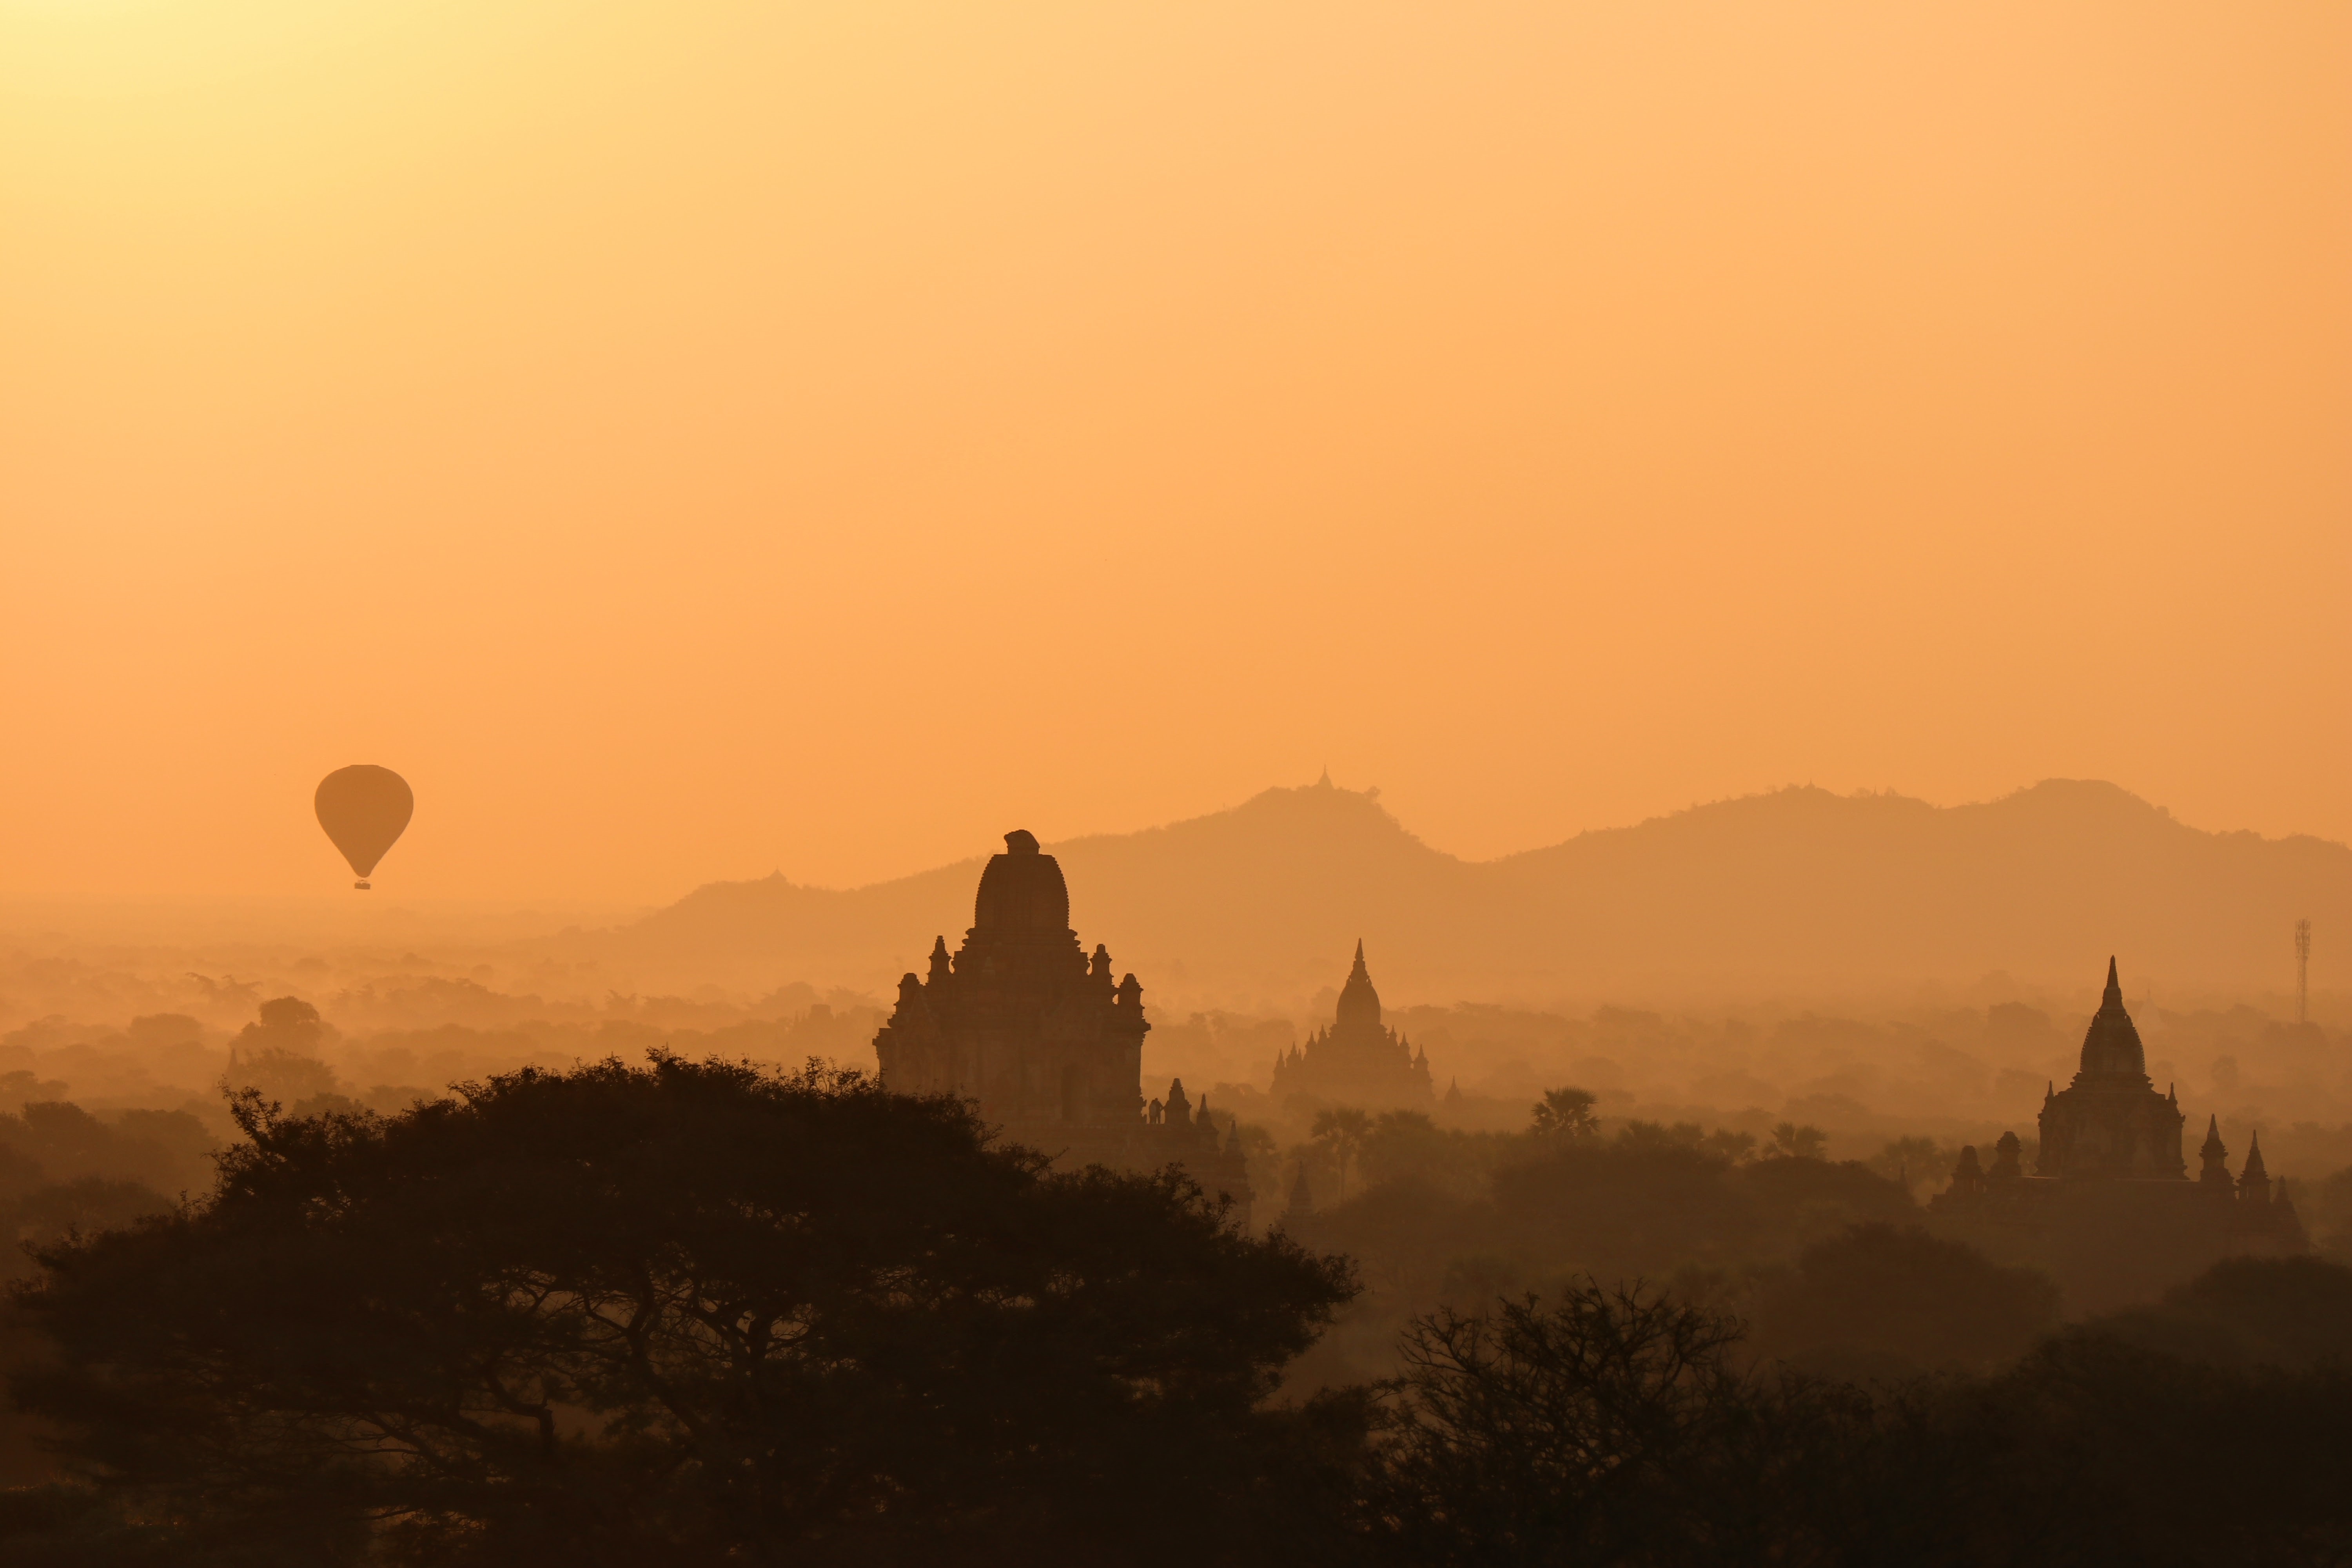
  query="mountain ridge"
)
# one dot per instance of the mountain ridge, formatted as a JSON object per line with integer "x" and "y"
{"x": 1779, "y": 890}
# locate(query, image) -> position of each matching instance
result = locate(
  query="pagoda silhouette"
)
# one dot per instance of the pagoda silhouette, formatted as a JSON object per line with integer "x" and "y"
{"x": 1359, "y": 1060}
{"x": 2110, "y": 1203}
{"x": 1022, "y": 1022}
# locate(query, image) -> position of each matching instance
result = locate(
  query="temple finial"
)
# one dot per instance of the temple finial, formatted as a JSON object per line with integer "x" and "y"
{"x": 2115, "y": 988}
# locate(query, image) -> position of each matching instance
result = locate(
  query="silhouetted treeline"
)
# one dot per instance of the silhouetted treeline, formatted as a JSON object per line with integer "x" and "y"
{"x": 707, "y": 1313}
{"x": 63, "y": 1169}
{"x": 691, "y": 1313}
{"x": 384, "y": 1040}
{"x": 1613, "y": 1427}
{"x": 1444, "y": 1218}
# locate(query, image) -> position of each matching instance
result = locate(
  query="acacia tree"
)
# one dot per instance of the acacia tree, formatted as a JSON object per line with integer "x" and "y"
{"x": 689, "y": 1313}
{"x": 1607, "y": 1425}
{"x": 1616, "y": 1426}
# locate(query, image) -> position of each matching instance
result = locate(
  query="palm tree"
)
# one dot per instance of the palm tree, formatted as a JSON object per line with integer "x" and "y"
{"x": 1341, "y": 1132}
{"x": 1567, "y": 1114}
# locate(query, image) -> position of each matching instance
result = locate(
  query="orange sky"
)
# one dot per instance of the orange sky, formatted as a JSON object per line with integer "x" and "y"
{"x": 693, "y": 439}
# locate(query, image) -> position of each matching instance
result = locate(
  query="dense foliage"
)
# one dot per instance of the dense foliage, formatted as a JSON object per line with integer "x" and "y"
{"x": 679, "y": 1315}
{"x": 704, "y": 1313}
{"x": 1613, "y": 1427}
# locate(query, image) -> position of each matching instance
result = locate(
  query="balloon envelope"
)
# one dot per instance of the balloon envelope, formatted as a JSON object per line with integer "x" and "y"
{"x": 364, "y": 810}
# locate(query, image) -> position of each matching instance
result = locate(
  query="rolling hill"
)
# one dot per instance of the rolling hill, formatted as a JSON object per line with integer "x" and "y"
{"x": 1795, "y": 891}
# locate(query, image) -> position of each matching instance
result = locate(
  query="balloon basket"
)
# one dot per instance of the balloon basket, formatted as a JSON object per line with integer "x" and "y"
{"x": 362, "y": 886}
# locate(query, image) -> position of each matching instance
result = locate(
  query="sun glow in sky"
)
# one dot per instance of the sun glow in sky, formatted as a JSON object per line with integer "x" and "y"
{"x": 696, "y": 440}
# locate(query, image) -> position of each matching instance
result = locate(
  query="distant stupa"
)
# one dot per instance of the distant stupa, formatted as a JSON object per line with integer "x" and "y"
{"x": 1358, "y": 1061}
{"x": 2110, "y": 1122}
{"x": 2109, "y": 1198}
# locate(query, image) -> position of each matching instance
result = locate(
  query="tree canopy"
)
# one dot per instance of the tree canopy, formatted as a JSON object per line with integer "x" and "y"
{"x": 1614, "y": 1426}
{"x": 686, "y": 1313}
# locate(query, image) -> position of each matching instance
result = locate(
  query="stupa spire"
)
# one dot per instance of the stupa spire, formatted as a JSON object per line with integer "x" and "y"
{"x": 2254, "y": 1181}
{"x": 2214, "y": 1169}
{"x": 1360, "y": 1005}
{"x": 2114, "y": 995}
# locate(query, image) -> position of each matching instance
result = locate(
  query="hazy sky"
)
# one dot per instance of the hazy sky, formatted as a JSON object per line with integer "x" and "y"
{"x": 690, "y": 439}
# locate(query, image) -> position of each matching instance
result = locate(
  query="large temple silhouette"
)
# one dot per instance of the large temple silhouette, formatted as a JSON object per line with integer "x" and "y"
{"x": 1359, "y": 1060}
{"x": 2110, "y": 1122}
{"x": 1020, "y": 1020}
{"x": 2110, "y": 1203}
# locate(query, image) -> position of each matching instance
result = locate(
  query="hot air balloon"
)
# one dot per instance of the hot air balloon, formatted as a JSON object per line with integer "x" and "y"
{"x": 364, "y": 809}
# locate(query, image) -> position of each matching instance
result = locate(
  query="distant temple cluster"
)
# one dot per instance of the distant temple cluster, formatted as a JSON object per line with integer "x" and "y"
{"x": 1357, "y": 1060}
{"x": 1022, "y": 1021}
{"x": 2109, "y": 1177}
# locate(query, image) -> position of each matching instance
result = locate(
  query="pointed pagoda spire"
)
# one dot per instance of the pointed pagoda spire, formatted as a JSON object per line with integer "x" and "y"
{"x": 2213, "y": 1168}
{"x": 2111, "y": 1046}
{"x": 1360, "y": 1005}
{"x": 2254, "y": 1182}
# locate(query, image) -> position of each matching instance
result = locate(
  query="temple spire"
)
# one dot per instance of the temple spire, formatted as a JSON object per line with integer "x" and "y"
{"x": 2214, "y": 1169}
{"x": 1360, "y": 1005}
{"x": 2114, "y": 992}
{"x": 2254, "y": 1182}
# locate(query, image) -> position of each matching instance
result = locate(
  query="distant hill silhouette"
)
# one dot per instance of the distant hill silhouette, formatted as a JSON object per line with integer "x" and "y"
{"x": 1796, "y": 891}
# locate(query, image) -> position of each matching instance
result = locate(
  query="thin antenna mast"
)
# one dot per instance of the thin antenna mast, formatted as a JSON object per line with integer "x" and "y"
{"x": 2302, "y": 972}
